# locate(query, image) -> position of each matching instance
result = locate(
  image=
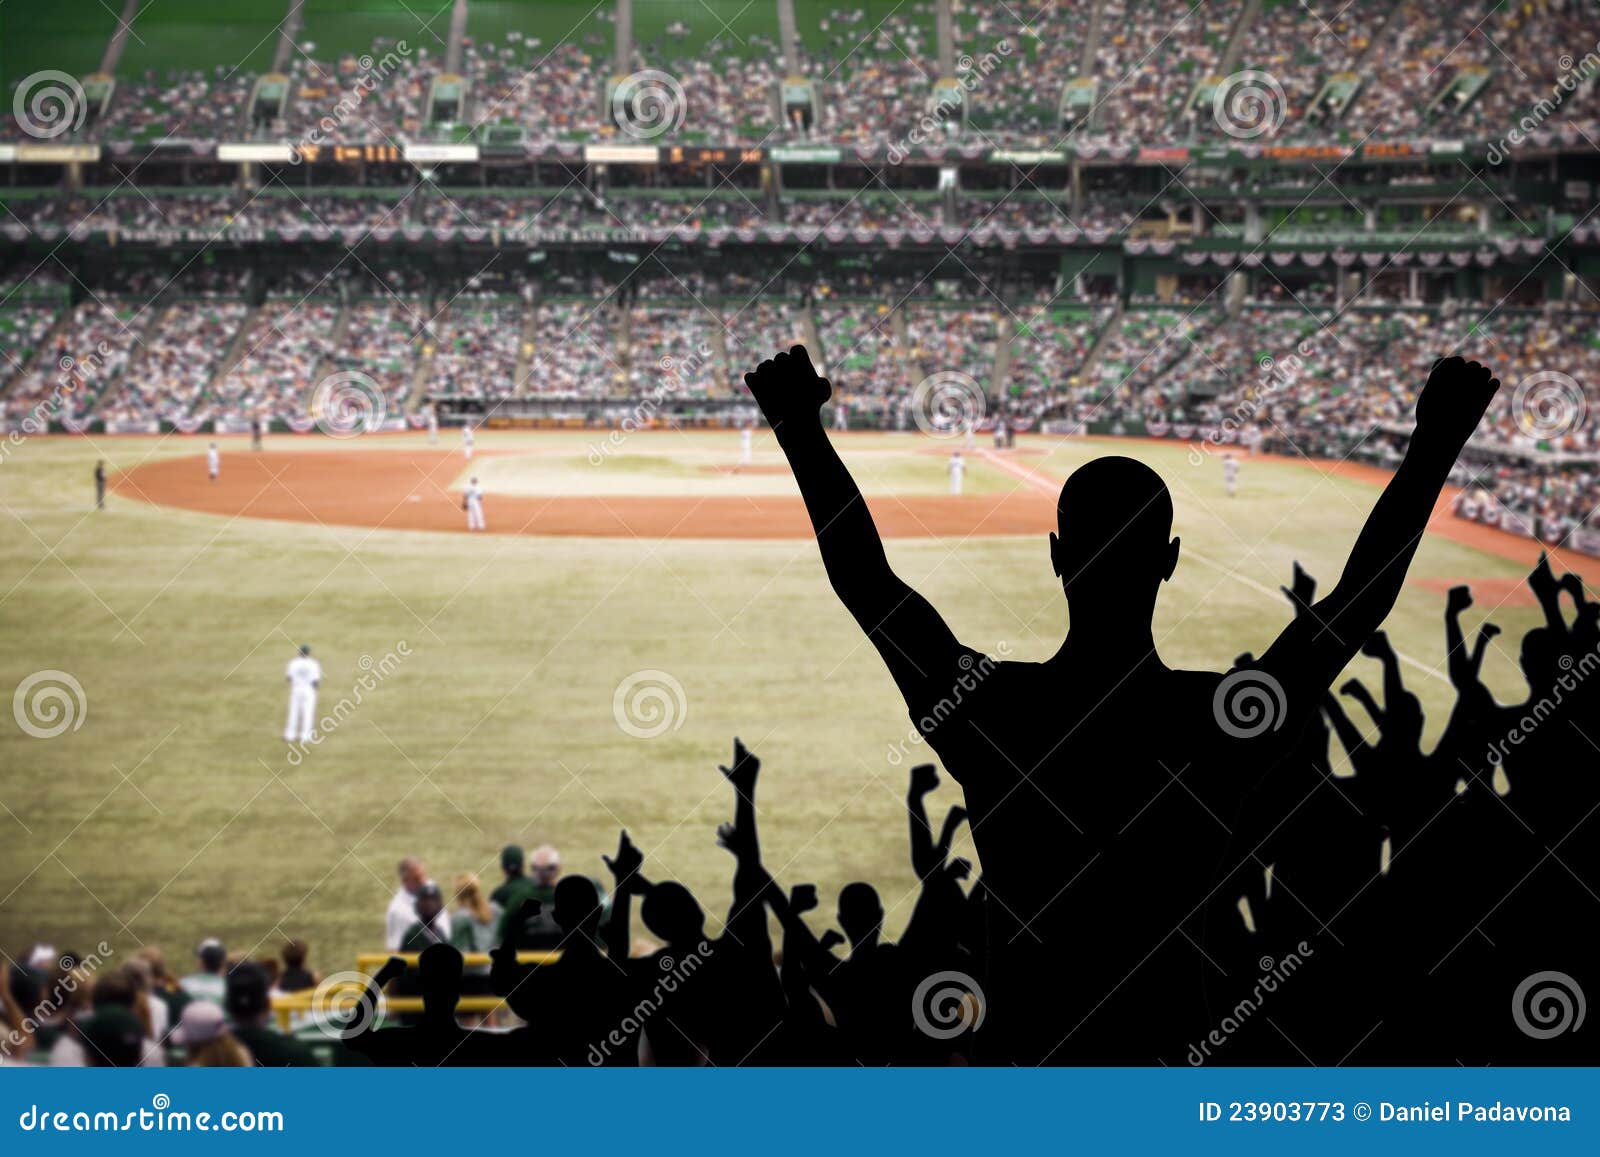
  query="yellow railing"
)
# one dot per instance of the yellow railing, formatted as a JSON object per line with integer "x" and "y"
{"x": 286, "y": 1005}
{"x": 371, "y": 962}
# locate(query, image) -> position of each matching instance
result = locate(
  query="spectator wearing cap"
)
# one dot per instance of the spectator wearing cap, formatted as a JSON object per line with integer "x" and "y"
{"x": 511, "y": 865}
{"x": 432, "y": 925}
{"x": 102, "y": 1037}
{"x": 402, "y": 912}
{"x": 111, "y": 1037}
{"x": 208, "y": 983}
{"x": 249, "y": 1006}
{"x": 203, "y": 1032}
{"x": 540, "y": 932}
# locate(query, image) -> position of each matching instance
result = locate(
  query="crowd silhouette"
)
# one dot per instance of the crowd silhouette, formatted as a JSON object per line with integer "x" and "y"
{"x": 1173, "y": 872}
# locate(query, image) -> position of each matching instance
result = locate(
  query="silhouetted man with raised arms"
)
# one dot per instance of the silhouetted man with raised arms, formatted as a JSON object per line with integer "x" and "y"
{"x": 1105, "y": 789}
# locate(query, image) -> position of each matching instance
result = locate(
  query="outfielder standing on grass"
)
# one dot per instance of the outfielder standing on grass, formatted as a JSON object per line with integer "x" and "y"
{"x": 472, "y": 503}
{"x": 100, "y": 484}
{"x": 305, "y": 676}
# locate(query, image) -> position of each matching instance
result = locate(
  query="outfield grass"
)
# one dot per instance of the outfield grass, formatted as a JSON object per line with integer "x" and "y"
{"x": 173, "y": 812}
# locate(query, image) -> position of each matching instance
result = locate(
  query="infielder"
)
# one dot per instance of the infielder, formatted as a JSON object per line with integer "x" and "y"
{"x": 305, "y": 676}
{"x": 213, "y": 461}
{"x": 958, "y": 470}
{"x": 467, "y": 438}
{"x": 433, "y": 426}
{"x": 472, "y": 503}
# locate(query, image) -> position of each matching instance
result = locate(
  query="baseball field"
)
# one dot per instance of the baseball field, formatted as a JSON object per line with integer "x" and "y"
{"x": 581, "y": 667}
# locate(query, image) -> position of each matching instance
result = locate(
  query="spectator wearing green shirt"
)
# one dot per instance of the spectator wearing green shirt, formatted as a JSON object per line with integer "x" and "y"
{"x": 208, "y": 983}
{"x": 511, "y": 865}
{"x": 249, "y": 1005}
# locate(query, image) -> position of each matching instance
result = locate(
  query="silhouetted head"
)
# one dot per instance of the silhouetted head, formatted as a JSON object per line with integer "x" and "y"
{"x": 1540, "y": 658}
{"x": 440, "y": 967}
{"x": 672, "y": 913}
{"x": 577, "y": 904}
{"x": 511, "y": 860}
{"x": 248, "y": 999}
{"x": 860, "y": 913}
{"x": 1113, "y": 543}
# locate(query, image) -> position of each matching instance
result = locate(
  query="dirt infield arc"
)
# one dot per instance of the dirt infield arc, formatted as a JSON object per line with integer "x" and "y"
{"x": 410, "y": 490}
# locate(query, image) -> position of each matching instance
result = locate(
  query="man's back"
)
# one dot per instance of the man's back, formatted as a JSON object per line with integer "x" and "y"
{"x": 1101, "y": 814}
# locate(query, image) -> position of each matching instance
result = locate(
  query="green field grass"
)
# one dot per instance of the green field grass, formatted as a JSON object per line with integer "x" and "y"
{"x": 173, "y": 811}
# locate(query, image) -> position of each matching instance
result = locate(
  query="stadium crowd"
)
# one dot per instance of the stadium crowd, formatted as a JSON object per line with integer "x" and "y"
{"x": 1149, "y": 72}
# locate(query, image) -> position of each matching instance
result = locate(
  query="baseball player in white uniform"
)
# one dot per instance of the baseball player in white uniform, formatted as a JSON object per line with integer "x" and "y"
{"x": 305, "y": 676}
{"x": 745, "y": 441}
{"x": 1230, "y": 474}
{"x": 472, "y": 503}
{"x": 958, "y": 471}
{"x": 213, "y": 461}
{"x": 433, "y": 426}
{"x": 467, "y": 439}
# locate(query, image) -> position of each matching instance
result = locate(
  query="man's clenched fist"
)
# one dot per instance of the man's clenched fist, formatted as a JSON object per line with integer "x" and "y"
{"x": 788, "y": 386}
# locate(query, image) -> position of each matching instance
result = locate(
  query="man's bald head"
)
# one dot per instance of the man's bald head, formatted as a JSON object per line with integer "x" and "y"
{"x": 1114, "y": 521}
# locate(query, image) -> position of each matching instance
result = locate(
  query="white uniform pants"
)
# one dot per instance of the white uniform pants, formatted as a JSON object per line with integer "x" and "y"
{"x": 302, "y": 714}
{"x": 474, "y": 515}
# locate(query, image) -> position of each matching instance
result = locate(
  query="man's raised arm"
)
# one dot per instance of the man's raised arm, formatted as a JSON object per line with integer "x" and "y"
{"x": 908, "y": 632}
{"x": 1315, "y": 647}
